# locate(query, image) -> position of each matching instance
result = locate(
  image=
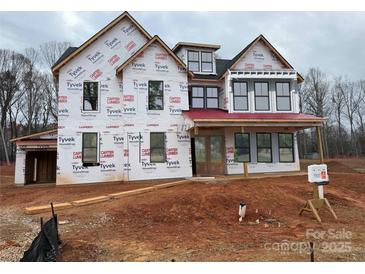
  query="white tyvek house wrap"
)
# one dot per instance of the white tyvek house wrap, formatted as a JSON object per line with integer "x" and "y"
{"x": 155, "y": 64}
{"x": 259, "y": 58}
{"x": 96, "y": 63}
{"x": 122, "y": 116}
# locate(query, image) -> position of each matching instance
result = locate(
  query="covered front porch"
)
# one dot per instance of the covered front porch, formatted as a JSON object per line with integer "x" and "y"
{"x": 246, "y": 143}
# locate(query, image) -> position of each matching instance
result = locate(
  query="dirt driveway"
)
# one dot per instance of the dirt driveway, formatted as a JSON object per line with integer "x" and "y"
{"x": 194, "y": 222}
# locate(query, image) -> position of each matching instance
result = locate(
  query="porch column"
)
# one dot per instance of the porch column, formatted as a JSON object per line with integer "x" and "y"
{"x": 319, "y": 144}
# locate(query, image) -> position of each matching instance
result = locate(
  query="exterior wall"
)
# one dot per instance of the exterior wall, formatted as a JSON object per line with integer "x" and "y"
{"x": 233, "y": 167}
{"x": 98, "y": 62}
{"x": 155, "y": 64}
{"x": 259, "y": 58}
{"x": 19, "y": 166}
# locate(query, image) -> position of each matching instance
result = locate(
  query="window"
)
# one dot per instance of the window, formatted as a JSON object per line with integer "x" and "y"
{"x": 207, "y": 61}
{"x": 286, "y": 147}
{"x": 242, "y": 147}
{"x": 262, "y": 96}
{"x": 240, "y": 96}
{"x": 155, "y": 95}
{"x": 212, "y": 97}
{"x": 197, "y": 97}
{"x": 204, "y": 97}
{"x": 283, "y": 96}
{"x": 90, "y": 148}
{"x": 157, "y": 147}
{"x": 193, "y": 60}
{"x": 90, "y": 96}
{"x": 263, "y": 142}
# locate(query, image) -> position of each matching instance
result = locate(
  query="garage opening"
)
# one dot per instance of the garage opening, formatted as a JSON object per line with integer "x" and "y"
{"x": 40, "y": 167}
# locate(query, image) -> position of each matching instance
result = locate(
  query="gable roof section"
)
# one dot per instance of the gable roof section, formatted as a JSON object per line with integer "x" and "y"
{"x": 60, "y": 63}
{"x": 243, "y": 53}
{"x": 154, "y": 39}
{"x": 64, "y": 55}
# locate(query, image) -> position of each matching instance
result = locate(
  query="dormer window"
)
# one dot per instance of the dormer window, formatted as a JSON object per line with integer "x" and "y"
{"x": 193, "y": 60}
{"x": 207, "y": 61}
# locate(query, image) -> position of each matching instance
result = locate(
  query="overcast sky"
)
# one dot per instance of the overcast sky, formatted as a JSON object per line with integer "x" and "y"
{"x": 333, "y": 41}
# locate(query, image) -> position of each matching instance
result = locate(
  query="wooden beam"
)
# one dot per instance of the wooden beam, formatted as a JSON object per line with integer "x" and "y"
{"x": 320, "y": 145}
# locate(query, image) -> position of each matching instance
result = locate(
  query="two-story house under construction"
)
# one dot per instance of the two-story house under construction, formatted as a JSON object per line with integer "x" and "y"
{"x": 131, "y": 108}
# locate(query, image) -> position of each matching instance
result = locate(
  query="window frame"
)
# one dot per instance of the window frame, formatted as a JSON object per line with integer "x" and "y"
{"x": 249, "y": 146}
{"x": 281, "y": 96}
{"x": 292, "y": 147}
{"x": 192, "y": 97}
{"x": 164, "y": 147}
{"x": 234, "y": 96}
{"x": 205, "y": 62}
{"x": 193, "y": 61}
{"x": 257, "y": 147}
{"x": 83, "y": 97}
{"x": 90, "y": 163}
{"x": 206, "y": 97}
{"x": 268, "y": 95}
{"x": 162, "y": 96}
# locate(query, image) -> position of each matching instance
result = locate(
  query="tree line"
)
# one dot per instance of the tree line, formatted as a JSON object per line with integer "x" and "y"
{"x": 28, "y": 92}
{"x": 342, "y": 101}
{"x": 29, "y": 97}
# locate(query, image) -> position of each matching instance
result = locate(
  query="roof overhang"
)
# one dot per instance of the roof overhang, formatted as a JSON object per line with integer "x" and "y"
{"x": 56, "y": 68}
{"x": 195, "y": 45}
{"x": 220, "y": 118}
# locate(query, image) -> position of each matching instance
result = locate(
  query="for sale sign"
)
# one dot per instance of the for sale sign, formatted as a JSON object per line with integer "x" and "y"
{"x": 317, "y": 173}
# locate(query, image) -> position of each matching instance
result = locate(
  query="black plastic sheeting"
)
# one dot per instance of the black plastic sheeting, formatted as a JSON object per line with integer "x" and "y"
{"x": 44, "y": 247}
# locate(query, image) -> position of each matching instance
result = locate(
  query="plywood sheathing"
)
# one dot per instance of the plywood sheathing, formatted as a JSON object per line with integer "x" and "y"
{"x": 47, "y": 208}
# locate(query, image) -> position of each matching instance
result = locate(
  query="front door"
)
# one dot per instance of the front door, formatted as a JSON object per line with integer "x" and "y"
{"x": 209, "y": 155}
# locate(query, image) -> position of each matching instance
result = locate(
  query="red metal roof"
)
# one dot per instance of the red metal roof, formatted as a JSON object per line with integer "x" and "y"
{"x": 217, "y": 114}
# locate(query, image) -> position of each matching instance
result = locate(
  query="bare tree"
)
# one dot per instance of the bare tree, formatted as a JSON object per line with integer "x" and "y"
{"x": 50, "y": 52}
{"x": 353, "y": 98}
{"x": 315, "y": 97}
{"x": 338, "y": 105}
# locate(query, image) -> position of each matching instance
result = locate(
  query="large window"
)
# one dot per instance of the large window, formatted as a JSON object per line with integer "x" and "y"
{"x": 193, "y": 60}
{"x": 155, "y": 95}
{"x": 207, "y": 61}
{"x": 90, "y": 148}
{"x": 283, "y": 96}
{"x": 204, "y": 97}
{"x": 157, "y": 147}
{"x": 242, "y": 147}
{"x": 240, "y": 96}
{"x": 90, "y": 96}
{"x": 212, "y": 97}
{"x": 262, "y": 96}
{"x": 264, "y": 150}
{"x": 286, "y": 147}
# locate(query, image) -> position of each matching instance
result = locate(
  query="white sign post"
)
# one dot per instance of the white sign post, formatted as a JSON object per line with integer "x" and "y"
{"x": 318, "y": 176}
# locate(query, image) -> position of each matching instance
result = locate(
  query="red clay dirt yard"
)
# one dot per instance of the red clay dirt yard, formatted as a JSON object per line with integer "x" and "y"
{"x": 194, "y": 222}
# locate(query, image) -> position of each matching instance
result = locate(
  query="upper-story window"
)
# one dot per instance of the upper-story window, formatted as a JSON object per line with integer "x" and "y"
{"x": 262, "y": 96}
{"x": 193, "y": 60}
{"x": 212, "y": 97}
{"x": 283, "y": 101}
{"x": 240, "y": 96}
{"x": 155, "y": 95}
{"x": 207, "y": 61}
{"x": 90, "y": 96}
{"x": 204, "y": 97}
